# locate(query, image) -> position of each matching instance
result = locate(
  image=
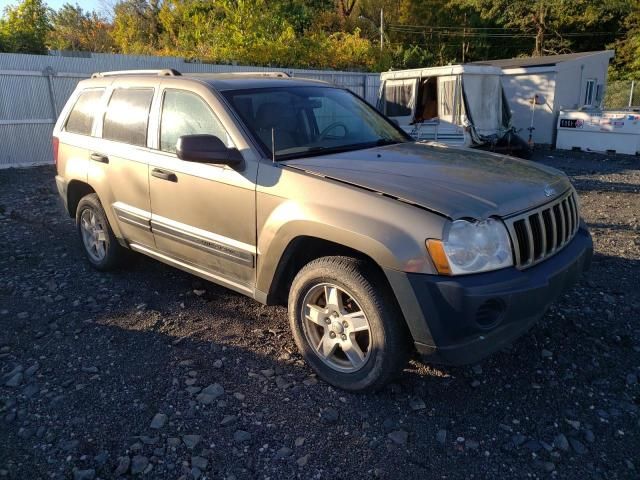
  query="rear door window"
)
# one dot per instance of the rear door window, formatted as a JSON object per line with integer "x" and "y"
{"x": 128, "y": 115}
{"x": 84, "y": 111}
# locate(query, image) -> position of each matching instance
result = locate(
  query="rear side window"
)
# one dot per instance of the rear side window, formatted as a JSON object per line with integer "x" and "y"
{"x": 127, "y": 116}
{"x": 84, "y": 111}
{"x": 185, "y": 113}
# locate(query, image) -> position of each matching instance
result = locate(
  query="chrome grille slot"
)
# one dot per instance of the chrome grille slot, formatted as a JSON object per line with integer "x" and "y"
{"x": 536, "y": 232}
{"x": 522, "y": 252}
{"x": 550, "y": 231}
{"x": 543, "y": 231}
{"x": 559, "y": 218}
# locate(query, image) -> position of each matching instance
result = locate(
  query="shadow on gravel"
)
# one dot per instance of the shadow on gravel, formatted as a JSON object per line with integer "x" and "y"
{"x": 111, "y": 351}
{"x": 587, "y": 162}
{"x": 583, "y": 185}
{"x": 611, "y": 226}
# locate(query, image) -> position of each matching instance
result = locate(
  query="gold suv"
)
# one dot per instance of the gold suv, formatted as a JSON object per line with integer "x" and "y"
{"x": 294, "y": 191}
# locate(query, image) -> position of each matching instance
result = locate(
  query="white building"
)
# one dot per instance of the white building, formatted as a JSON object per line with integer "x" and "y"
{"x": 570, "y": 81}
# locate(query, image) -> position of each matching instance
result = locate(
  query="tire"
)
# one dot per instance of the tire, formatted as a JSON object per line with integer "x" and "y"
{"x": 360, "y": 290}
{"x": 111, "y": 254}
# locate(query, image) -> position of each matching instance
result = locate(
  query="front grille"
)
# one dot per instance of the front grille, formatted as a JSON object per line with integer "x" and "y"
{"x": 541, "y": 232}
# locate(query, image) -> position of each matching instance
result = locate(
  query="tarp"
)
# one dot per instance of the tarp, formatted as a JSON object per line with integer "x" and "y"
{"x": 399, "y": 96}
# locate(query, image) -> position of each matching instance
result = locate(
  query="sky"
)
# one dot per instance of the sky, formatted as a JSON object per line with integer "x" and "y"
{"x": 98, "y": 5}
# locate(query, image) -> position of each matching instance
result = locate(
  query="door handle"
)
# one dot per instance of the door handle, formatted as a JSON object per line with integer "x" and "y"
{"x": 164, "y": 175}
{"x": 98, "y": 157}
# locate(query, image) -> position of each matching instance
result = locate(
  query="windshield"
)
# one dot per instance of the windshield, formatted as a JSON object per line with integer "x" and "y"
{"x": 309, "y": 121}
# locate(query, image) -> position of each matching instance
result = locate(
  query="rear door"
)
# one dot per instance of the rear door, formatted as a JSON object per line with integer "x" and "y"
{"x": 118, "y": 168}
{"x": 203, "y": 215}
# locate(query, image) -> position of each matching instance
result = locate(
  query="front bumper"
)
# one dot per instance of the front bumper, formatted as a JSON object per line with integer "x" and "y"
{"x": 460, "y": 320}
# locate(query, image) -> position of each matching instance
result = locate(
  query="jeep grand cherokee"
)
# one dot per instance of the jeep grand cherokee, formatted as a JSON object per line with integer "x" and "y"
{"x": 294, "y": 191}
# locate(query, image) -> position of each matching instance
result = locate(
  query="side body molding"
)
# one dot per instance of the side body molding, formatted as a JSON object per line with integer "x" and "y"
{"x": 132, "y": 215}
{"x": 208, "y": 242}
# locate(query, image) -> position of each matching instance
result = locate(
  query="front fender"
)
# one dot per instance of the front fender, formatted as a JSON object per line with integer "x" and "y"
{"x": 389, "y": 232}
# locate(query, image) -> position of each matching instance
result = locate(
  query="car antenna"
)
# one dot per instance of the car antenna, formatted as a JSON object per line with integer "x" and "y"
{"x": 273, "y": 145}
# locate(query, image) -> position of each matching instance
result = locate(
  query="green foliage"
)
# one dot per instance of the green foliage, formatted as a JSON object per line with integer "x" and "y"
{"x": 75, "y": 29}
{"x": 626, "y": 64}
{"x": 558, "y": 26}
{"x": 24, "y": 28}
{"x": 136, "y": 26}
{"x": 338, "y": 34}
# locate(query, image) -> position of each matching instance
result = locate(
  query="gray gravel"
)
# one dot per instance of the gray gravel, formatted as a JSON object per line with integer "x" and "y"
{"x": 151, "y": 371}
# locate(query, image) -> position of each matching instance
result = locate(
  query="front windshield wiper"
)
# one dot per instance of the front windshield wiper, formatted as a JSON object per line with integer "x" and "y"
{"x": 387, "y": 141}
{"x": 320, "y": 150}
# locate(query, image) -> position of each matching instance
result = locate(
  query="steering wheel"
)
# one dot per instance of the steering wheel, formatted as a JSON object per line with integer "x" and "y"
{"x": 325, "y": 131}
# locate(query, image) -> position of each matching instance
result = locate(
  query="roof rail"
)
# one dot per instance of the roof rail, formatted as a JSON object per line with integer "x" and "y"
{"x": 165, "y": 72}
{"x": 263, "y": 74}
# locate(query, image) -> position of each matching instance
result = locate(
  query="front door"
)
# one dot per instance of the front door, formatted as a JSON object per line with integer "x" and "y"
{"x": 203, "y": 215}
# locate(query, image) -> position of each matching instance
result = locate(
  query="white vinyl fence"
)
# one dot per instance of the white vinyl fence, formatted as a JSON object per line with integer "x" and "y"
{"x": 34, "y": 88}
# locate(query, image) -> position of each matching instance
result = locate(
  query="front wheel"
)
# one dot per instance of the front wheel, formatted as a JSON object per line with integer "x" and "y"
{"x": 346, "y": 324}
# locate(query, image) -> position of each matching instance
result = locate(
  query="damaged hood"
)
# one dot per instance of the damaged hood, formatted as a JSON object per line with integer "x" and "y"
{"x": 454, "y": 182}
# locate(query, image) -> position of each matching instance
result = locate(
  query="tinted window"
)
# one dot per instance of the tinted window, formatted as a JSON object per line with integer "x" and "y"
{"x": 185, "y": 113}
{"x": 81, "y": 117}
{"x": 127, "y": 116}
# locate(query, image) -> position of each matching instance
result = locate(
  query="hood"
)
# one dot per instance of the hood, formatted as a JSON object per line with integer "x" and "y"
{"x": 455, "y": 182}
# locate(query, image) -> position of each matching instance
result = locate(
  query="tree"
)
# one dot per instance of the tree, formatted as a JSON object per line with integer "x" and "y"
{"x": 136, "y": 26}
{"x": 626, "y": 64}
{"x": 24, "y": 27}
{"x": 74, "y": 29}
{"x": 556, "y": 26}
{"x": 345, "y": 7}
{"x": 186, "y": 25}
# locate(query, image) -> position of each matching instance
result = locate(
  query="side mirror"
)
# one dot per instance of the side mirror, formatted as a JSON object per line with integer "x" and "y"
{"x": 205, "y": 148}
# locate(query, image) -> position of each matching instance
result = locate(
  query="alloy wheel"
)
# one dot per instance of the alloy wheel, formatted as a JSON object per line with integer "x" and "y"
{"x": 336, "y": 327}
{"x": 93, "y": 235}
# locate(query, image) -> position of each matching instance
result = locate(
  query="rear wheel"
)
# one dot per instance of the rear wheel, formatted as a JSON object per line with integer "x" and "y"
{"x": 346, "y": 324}
{"x": 100, "y": 244}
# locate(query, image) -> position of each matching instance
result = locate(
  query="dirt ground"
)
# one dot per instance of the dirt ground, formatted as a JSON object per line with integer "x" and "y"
{"x": 152, "y": 372}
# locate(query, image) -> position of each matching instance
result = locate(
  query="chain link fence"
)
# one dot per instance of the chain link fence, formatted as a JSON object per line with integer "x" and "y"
{"x": 622, "y": 94}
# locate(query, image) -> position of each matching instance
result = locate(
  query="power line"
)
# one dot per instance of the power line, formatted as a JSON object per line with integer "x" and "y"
{"x": 487, "y": 32}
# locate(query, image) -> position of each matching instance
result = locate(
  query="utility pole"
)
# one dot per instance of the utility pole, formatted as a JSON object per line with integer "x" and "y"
{"x": 464, "y": 32}
{"x": 381, "y": 29}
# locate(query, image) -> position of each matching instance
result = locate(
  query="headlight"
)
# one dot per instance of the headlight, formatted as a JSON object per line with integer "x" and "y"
{"x": 472, "y": 247}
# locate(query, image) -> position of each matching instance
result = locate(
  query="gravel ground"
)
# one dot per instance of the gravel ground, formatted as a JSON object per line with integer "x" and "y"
{"x": 150, "y": 371}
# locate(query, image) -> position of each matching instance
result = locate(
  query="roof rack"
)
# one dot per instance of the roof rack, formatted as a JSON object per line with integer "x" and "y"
{"x": 165, "y": 72}
{"x": 263, "y": 74}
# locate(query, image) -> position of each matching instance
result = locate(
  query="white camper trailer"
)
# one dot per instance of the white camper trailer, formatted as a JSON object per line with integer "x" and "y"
{"x": 462, "y": 105}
